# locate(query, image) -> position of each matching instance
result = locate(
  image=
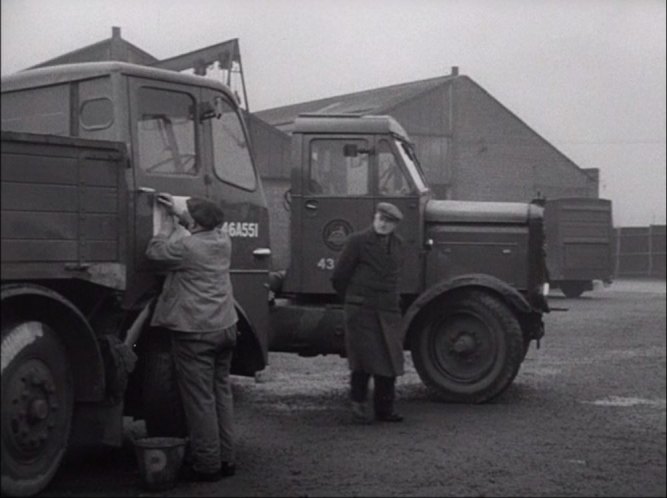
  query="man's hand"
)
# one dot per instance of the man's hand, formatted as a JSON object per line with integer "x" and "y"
{"x": 167, "y": 200}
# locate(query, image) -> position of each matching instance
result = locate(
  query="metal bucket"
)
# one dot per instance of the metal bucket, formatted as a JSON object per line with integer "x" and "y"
{"x": 160, "y": 459}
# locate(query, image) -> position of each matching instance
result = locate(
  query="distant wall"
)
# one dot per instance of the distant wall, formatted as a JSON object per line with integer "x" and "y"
{"x": 640, "y": 251}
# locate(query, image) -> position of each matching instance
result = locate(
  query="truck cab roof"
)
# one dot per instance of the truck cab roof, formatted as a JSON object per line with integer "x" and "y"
{"x": 52, "y": 75}
{"x": 347, "y": 123}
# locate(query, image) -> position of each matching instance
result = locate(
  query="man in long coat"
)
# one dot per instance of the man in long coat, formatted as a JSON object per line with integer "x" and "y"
{"x": 367, "y": 277}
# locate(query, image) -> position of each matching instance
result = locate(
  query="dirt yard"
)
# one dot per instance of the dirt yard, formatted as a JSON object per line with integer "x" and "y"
{"x": 584, "y": 417}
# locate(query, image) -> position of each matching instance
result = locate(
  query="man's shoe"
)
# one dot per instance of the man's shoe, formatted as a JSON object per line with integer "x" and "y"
{"x": 227, "y": 469}
{"x": 188, "y": 474}
{"x": 361, "y": 412}
{"x": 390, "y": 417}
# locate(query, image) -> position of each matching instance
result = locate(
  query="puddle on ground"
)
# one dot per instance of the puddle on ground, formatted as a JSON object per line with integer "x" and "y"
{"x": 621, "y": 401}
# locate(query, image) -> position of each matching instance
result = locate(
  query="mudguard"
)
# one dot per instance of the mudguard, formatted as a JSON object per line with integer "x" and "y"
{"x": 506, "y": 291}
{"x": 79, "y": 339}
{"x": 249, "y": 356}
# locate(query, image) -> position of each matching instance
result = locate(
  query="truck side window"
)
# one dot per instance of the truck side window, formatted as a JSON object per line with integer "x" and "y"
{"x": 391, "y": 180}
{"x": 166, "y": 132}
{"x": 231, "y": 156}
{"x": 331, "y": 173}
{"x": 96, "y": 114}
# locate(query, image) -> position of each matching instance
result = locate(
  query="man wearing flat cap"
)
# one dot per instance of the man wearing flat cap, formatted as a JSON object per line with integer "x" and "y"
{"x": 196, "y": 306}
{"x": 366, "y": 276}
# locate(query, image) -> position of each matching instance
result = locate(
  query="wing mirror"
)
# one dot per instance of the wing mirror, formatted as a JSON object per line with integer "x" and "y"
{"x": 211, "y": 109}
{"x": 353, "y": 150}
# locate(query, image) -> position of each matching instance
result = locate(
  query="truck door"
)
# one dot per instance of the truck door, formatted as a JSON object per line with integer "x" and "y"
{"x": 392, "y": 183}
{"x": 337, "y": 200}
{"x": 232, "y": 182}
{"x": 166, "y": 157}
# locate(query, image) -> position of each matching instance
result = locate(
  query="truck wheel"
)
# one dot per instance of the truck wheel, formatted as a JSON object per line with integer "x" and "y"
{"x": 573, "y": 289}
{"x": 37, "y": 401}
{"x": 470, "y": 349}
{"x": 163, "y": 408}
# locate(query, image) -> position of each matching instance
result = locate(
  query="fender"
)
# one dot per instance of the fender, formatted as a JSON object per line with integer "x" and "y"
{"x": 79, "y": 339}
{"x": 506, "y": 291}
{"x": 249, "y": 356}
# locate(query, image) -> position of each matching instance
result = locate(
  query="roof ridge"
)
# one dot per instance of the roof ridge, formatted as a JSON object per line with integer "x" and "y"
{"x": 359, "y": 92}
{"x": 105, "y": 41}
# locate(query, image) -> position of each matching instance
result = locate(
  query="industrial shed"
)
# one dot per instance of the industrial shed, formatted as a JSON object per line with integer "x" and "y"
{"x": 471, "y": 147}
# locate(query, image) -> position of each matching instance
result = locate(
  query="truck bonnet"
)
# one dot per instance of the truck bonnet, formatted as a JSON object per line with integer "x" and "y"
{"x": 441, "y": 211}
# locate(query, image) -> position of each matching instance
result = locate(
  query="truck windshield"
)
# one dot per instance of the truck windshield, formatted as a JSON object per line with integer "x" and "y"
{"x": 231, "y": 154}
{"x": 410, "y": 159}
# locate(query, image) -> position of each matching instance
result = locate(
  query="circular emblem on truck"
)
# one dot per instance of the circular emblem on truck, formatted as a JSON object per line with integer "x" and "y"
{"x": 335, "y": 234}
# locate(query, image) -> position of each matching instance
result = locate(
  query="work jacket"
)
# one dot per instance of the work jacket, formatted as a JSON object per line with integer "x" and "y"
{"x": 367, "y": 277}
{"x": 197, "y": 294}
{"x": 368, "y": 269}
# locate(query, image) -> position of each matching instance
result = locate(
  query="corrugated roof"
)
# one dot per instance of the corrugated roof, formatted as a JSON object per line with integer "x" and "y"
{"x": 112, "y": 49}
{"x": 375, "y": 101}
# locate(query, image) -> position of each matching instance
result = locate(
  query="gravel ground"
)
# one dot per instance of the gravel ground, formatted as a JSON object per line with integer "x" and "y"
{"x": 584, "y": 417}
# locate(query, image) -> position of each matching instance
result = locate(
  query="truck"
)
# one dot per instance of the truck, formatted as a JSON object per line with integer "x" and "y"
{"x": 85, "y": 149}
{"x": 579, "y": 240}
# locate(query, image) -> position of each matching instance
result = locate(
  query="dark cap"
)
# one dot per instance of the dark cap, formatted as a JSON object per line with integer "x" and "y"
{"x": 389, "y": 211}
{"x": 206, "y": 213}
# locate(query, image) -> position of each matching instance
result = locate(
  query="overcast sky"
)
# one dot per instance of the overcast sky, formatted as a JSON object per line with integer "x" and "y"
{"x": 587, "y": 75}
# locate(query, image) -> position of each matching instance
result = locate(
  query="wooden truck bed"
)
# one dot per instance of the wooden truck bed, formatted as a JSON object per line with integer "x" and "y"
{"x": 64, "y": 206}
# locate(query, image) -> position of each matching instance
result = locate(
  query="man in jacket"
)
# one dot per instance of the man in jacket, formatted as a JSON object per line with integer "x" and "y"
{"x": 367, "y": 277}
{"x": 197, "y": 306}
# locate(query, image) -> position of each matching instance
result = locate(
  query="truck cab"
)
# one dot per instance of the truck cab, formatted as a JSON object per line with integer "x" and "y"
{"x": 345, "y": 165}
{"x": 184, "y": 135}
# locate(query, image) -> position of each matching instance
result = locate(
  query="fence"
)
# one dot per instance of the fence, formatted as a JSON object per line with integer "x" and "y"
{"x": 640, "y": 251}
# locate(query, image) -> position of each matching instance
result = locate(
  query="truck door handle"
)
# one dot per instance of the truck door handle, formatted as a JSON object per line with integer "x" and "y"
{"x": 311, "y": 205}
{"x": 262, "y": 252}
{"x": 146, "y": 190}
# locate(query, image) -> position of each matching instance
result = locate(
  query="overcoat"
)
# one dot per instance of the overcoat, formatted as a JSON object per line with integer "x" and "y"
{"x": 197, "y": 295}
{"x": 367, "y": 275}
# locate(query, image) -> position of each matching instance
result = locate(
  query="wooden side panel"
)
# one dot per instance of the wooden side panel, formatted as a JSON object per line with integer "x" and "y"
{"x": 63, "y": 205}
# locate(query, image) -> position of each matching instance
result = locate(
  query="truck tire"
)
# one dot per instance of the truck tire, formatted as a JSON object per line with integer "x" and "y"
{"x": 37, "y": 401}
{"x": 163, "y": 408}
{"x": 573, "y": 288}
{"x": 470, "y": 348}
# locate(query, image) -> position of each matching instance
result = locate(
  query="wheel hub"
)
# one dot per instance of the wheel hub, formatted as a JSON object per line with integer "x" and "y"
{"x": 464, "y": 345}
{"x": 39, "y": 410}
{"x": 32, "y": 408}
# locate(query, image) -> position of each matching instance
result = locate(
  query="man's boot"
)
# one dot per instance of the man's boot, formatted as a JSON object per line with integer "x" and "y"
{"x": 383, "y": 398}
{"x": 358, "y": 394}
